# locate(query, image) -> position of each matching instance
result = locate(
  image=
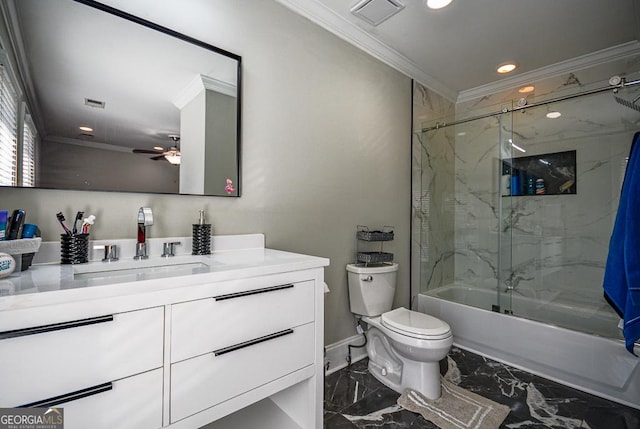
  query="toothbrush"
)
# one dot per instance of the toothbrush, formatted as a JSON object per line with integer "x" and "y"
{"x": 87, "y": 222}
{"x": 61, "y": 219}
{"x": 75, "y": 222}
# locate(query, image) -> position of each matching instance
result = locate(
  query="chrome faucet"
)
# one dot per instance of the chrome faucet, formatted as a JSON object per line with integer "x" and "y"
{"x": 145, "y": 219}
{"x": 169, "y": 249}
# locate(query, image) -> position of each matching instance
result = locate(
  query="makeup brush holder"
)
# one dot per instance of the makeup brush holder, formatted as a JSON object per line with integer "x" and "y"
{"x": 201, "y": 239}
{"x": 74, "y": 249}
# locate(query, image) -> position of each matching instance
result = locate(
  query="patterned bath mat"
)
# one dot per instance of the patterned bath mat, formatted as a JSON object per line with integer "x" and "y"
{"x": 457, "y": 408}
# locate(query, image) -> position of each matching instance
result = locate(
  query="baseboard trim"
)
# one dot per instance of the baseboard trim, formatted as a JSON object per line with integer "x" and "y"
{"x": 335, "y": 356}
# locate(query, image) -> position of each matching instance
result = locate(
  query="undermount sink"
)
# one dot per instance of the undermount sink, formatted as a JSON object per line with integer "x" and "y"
{"x": 137, "y": 270}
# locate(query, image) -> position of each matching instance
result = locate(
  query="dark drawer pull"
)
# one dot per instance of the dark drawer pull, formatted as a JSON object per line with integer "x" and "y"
{"x": 68, "y": 397}
{"x": 54, "y": 327}
{"x": 252, "y": 342}
{"x": 252, "y": 292}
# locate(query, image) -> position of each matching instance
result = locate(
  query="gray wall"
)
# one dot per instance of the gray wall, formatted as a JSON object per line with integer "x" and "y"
{"x": 220, "y": 154}
{"x": 88, "y": 168}
{"x": 325, "y": 147}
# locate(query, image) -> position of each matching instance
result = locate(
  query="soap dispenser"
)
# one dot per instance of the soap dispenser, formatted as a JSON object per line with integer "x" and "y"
{"x": 201, "y": 236}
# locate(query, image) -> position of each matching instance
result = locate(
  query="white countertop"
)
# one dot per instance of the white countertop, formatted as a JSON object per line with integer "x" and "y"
{"x": 48, "y": 284}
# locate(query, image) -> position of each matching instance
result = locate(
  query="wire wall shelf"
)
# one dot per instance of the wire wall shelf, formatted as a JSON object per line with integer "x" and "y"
{"x": 367, "y": 257}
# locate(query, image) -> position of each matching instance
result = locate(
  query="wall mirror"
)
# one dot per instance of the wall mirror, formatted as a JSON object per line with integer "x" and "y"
{"x": 159, "y": 110}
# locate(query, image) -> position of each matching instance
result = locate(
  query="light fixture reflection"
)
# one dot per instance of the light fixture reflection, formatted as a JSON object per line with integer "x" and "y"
{"x": 527, "y": 89}
{"x": 173, "y": 156}
{"x": 553, "y": 115}
{"x": 506, "y": 68}
{"x": 438, "y": 4}
{"x": 515, "y": 146}
{"x": 86, "y": 129}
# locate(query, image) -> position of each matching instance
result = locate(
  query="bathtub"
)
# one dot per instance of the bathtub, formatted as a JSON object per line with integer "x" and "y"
{"x": 591, "y": 363}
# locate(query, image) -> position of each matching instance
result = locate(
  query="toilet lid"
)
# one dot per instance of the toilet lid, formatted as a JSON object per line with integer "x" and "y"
{"x": 415, "y": 324}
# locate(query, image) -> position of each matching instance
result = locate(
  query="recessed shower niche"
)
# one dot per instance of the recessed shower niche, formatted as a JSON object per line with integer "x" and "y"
{"x": 545, "y": 174}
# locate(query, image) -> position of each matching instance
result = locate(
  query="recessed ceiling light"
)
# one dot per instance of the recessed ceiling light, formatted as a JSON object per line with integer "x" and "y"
{"x": 438, "y": 4}
{"x": 554, "y": 115}
{"x": 527, "y": 89}
{"x": 87, "y": 129}
{"x": 506, "y": 68}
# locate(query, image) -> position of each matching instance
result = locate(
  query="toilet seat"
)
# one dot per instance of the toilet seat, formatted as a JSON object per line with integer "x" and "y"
{"x": 416, "y": 325}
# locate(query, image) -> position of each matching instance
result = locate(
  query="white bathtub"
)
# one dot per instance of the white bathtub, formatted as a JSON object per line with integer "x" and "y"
{"x": 595, "y": 364}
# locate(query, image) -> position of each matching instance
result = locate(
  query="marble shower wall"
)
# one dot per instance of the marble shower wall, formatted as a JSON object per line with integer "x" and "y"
{"x": 478, "y": 209}
{"x": 560, "y": 242}
{"x": 552, "y": 247}
{"x": 433, "y": 194}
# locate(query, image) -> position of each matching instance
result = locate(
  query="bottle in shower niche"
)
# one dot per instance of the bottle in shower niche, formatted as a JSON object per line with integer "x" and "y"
{"x": 515, "y": 182}
{"x": 531, "y": 185}
{"x": 201, "y": 236}
{"x": 505, "y": 180}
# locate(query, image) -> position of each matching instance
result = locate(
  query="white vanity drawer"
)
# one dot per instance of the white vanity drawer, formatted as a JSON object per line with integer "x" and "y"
{"x": 47, "y": 361}
{"x": 205, "y": 325}
{"x": 207, "y": 380}
{"x": 131, "y": 403}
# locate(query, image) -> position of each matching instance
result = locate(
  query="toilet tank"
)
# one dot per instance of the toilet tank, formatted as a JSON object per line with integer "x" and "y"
{"x": 371, "y": 288}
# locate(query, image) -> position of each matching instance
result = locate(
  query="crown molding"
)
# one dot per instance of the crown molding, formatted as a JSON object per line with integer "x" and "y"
{"x": 582, "y": 62}
{"x": 200, "y": 83}
{"x": 346, "y": 30}
{"x": 351, "y": 33}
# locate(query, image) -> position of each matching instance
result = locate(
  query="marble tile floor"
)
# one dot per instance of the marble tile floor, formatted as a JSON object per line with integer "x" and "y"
{"x": 354, "y": 399}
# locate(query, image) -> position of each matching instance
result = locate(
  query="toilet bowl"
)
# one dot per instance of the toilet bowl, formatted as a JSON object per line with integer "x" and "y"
{"x": 403, "y": 355}
{"x": 404, "y": 347}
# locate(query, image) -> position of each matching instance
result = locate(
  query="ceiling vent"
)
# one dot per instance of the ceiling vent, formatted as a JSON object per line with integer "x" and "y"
{"x": 376, "y": 11}
{"x": 94, "y": 103}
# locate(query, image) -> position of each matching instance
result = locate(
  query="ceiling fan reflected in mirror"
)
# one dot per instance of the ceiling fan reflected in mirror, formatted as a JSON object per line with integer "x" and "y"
{"x": 171, "y": 154}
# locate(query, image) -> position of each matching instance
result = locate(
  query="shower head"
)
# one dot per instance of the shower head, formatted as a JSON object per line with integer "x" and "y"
{"x": 627, "y": 103}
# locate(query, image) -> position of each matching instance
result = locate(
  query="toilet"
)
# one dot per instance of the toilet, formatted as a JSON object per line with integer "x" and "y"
{"x": 404, "y": 347}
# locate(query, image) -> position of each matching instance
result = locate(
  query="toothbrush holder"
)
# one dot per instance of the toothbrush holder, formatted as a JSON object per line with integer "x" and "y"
{"x": 201, "y": 239}
{"x": 74, "y": 249}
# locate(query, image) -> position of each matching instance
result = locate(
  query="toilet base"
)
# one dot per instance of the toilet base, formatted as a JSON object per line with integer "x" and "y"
{"x": 423, "y": 378}
{"x": 398, "y": 372}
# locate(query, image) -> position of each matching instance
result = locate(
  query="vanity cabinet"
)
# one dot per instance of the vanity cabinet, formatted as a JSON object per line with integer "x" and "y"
{"x": 239, "y": 345}
{"x": 238, "y": 313}
{"x": 239, "y": 340}
{"x": 86, "y": 365}
{"x": 129, "y": 403}
{"x": 207, "y": 380}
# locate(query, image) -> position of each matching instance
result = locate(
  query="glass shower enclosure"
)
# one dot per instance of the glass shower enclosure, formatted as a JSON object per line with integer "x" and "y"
{"x": 517, "y": 204}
